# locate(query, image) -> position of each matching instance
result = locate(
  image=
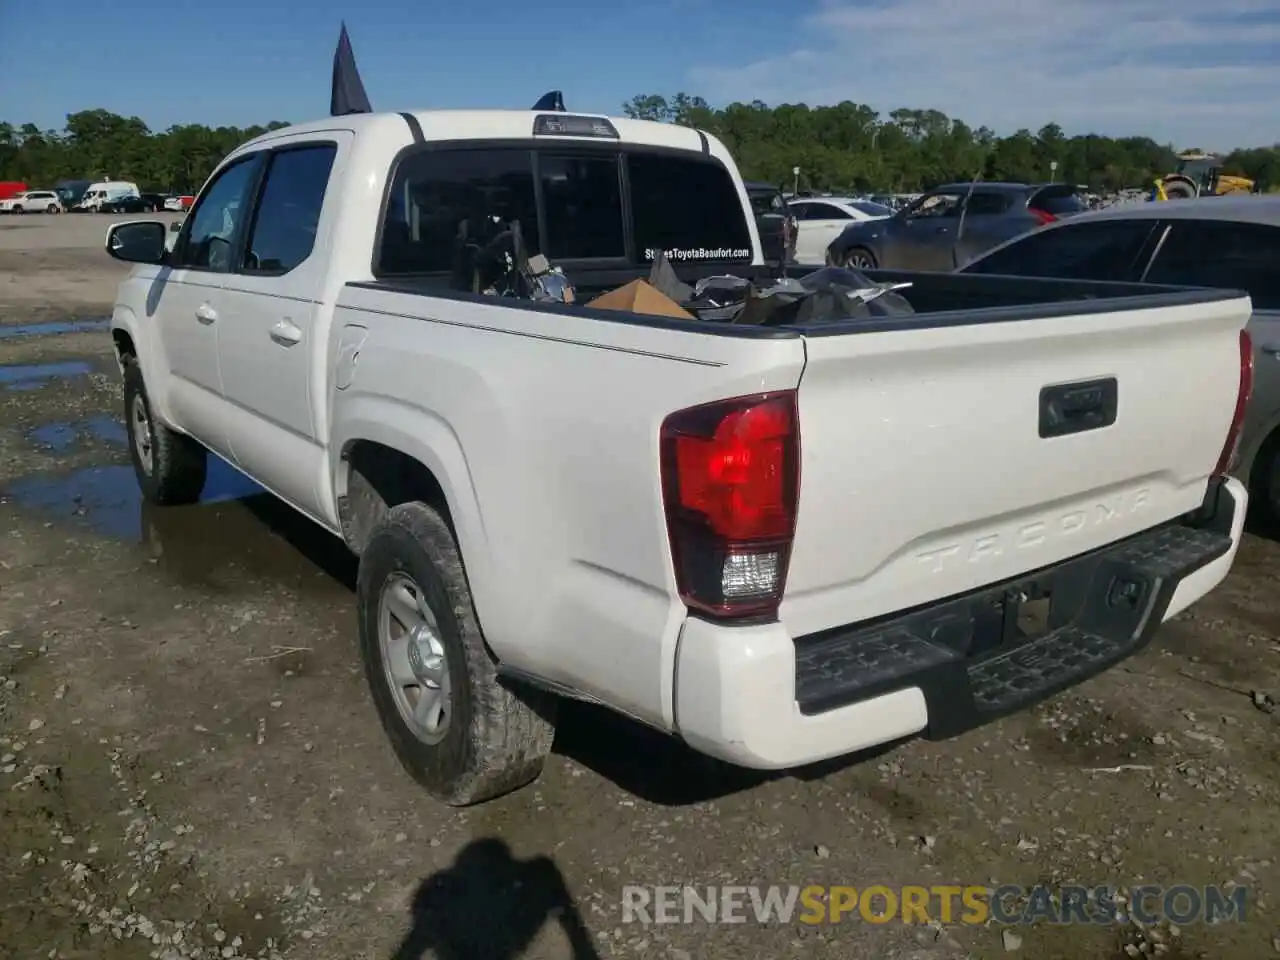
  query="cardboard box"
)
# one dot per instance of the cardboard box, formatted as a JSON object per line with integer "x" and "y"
{"x": 639, "y": 296}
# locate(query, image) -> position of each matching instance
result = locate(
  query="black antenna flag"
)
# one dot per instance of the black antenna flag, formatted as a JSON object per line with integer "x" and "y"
{"x": 347, "y": 93}
{"x": 551, "y": 100}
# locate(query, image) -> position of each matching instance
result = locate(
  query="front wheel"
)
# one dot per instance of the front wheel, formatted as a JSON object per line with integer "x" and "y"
{"x": 454, "y": 726}
{"x": 170, "y": 466}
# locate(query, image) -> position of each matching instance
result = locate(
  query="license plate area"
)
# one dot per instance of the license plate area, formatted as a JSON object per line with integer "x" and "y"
{"x": 1019, "y": 614}
{"x": 1098, "y": 593}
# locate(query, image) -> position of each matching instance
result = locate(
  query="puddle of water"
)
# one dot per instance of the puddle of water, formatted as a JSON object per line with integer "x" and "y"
{"x": 108, "y": 499}
{"x": 50, "y": 328}
{"x": 56, "y": 436}
{"x": 107, "y": 429}
{"x": 36, "y": 375}
{"x": 59, "y": 437}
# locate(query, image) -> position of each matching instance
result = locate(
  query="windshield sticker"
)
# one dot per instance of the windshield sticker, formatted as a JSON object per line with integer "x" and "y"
{"x": 699, "y": 253}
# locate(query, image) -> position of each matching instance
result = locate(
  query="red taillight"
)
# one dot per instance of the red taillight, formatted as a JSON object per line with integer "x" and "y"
{"x": 730, "y": 483}
{"x": 1044, "y": 216}
{"x": 1231, "y": 449}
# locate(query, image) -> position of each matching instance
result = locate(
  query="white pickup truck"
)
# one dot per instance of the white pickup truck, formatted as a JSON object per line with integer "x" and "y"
{"x": 780, "y": 544}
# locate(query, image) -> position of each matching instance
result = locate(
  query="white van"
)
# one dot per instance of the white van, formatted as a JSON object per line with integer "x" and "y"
{"x": 105, "y": 192}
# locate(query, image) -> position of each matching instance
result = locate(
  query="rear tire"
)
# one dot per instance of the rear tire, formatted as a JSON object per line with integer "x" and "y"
{"x": 170, "y": 466}
{"x": 1264, "y": 485}
{"x": 1179, "y": 191}
{"x": 51, "y": 208}
{"x": 859, "y": 258}
{"x": 463, "y": 735}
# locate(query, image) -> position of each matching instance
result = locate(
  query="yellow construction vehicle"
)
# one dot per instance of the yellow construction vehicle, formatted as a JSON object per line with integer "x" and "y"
{"x": 1200, "y": 175}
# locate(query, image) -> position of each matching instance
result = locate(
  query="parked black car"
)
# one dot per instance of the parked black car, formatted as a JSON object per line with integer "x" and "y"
{"x": 775, "y": 222}
{"x": 143, "y": 203}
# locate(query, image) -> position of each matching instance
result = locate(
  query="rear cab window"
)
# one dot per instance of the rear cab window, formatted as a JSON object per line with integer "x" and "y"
{"x": 574, "y": 203}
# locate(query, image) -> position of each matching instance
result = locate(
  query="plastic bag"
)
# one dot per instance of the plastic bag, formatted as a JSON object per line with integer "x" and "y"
{"x": 829, "y": 295}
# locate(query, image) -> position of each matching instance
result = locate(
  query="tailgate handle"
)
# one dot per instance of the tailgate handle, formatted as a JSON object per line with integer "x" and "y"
{"x": 1077, "y": 407}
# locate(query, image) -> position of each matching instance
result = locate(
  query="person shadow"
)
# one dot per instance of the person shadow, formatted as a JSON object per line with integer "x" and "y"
{"x": 490, "y": 906}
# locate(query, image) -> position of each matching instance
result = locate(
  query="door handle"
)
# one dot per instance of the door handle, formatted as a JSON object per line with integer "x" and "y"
{"x": 1270, "y": 349}
{"x": 206, "y": 314}
{"x": 285, "y": 333}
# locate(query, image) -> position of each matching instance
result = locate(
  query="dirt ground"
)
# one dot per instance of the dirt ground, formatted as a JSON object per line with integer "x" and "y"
{"x": 190, "y": 765}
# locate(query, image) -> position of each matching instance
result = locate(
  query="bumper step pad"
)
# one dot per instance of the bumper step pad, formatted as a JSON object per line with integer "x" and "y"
{"x": 970, "y": 668}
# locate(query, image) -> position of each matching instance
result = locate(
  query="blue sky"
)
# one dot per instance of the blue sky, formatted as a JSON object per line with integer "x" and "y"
{"x": 1195, "y": 73}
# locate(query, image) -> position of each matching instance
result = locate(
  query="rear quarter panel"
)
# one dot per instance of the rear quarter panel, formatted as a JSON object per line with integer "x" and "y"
{"x": 542, "y": 429}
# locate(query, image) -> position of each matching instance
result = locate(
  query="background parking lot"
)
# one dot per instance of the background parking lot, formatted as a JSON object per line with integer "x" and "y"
{"x": 190, "y": 765}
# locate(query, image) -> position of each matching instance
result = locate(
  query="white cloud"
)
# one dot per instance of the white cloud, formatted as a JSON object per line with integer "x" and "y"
{"x": 1179, "y": 70}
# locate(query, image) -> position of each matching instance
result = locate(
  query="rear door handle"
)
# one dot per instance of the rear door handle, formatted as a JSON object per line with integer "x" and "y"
{"x": 285, "y": 333}
{"x": 206, "y": 314}
{"x": 1270, "y": 349}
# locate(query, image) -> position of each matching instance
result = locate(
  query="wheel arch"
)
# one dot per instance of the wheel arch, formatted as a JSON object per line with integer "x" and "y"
{"x": 386, "y": 454}
{"x": 130, "y": 340}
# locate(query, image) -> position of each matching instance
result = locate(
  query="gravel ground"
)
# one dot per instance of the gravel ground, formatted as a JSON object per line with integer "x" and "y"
{"x": 190, "y": 766}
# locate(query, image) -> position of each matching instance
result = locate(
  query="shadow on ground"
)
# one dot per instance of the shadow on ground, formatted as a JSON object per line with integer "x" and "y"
{"x": 490, "y": 906}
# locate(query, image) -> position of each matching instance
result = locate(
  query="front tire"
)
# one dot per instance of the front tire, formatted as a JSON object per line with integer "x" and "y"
{"x": 170, "y": 466}
{"x": 453, "y": 725}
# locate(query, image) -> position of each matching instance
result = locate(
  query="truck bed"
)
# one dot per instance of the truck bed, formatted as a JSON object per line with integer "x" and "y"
{"x": 939, "y": 299}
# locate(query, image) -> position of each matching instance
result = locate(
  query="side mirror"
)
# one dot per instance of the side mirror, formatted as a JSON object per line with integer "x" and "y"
{"x": 138, "y": 241}
{"x": 176, "y": 226}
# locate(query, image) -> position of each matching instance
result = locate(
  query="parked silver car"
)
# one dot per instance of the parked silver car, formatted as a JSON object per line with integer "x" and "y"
{"x": 1216, "y": 242}
{"x": 952, "y": 224}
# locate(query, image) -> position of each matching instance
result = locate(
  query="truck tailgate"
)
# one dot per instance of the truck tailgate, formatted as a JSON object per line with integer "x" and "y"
{"x": 938, "y": 460}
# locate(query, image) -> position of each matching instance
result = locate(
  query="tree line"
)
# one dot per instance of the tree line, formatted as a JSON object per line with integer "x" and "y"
{"x": 850, "y": 146}
{"x": 100, "y": 145}
{"x": 847, "y": 146}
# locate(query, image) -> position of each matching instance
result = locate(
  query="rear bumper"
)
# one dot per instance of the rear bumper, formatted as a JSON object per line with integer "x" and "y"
{"x": 759, "y": 698}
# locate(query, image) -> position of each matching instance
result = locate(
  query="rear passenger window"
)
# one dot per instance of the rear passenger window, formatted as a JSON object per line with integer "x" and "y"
{"x": 440, "y": 197}
{"x": 582, "y": 204}
{"x": 689, "y": 208}
{"x": 1219, "y": 253}
{"x": 1101, "y": 250}
{"x": 981, "y": 204}
{"x": 288, "y": 214}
